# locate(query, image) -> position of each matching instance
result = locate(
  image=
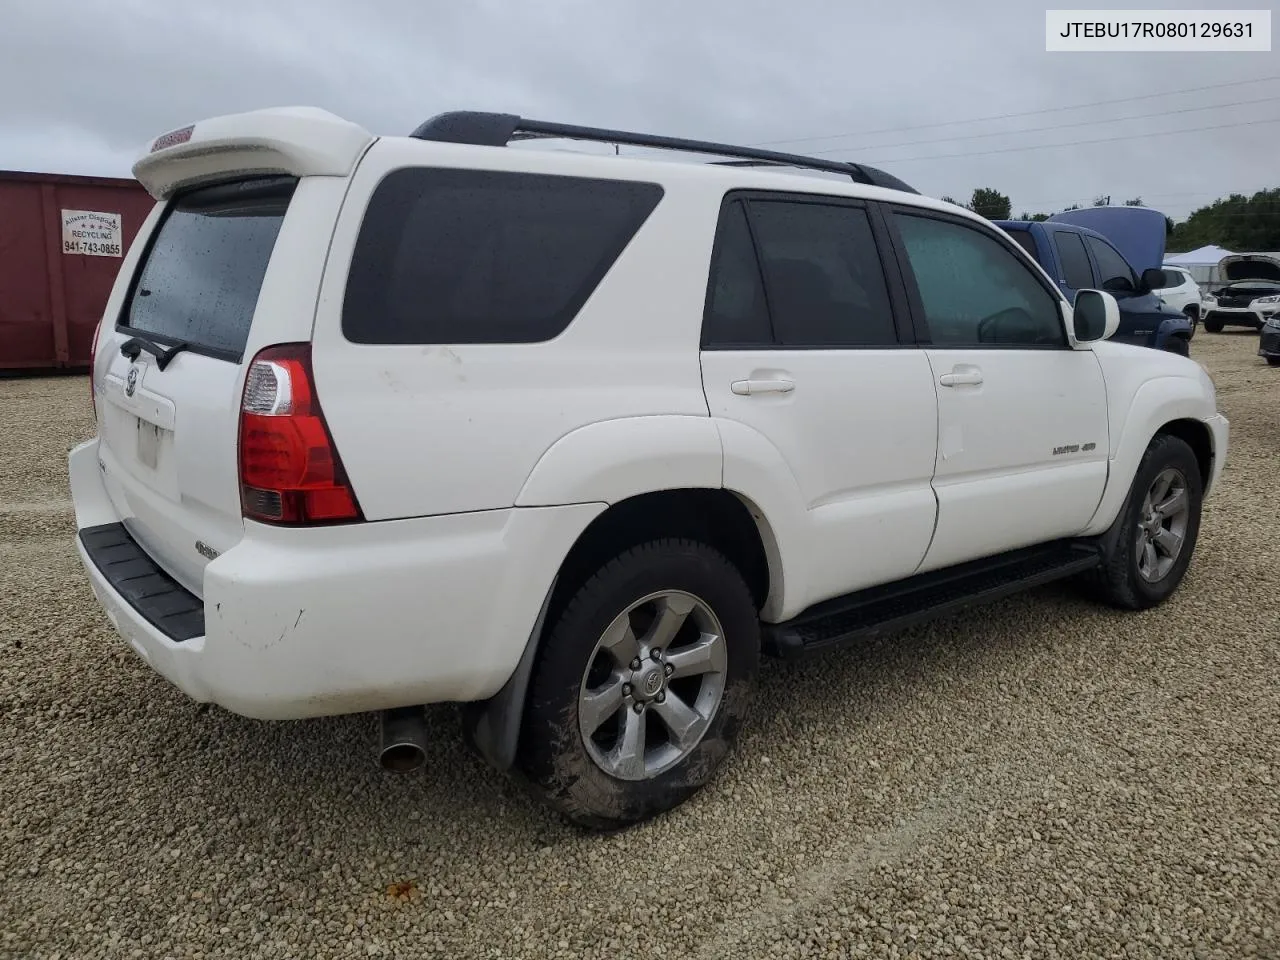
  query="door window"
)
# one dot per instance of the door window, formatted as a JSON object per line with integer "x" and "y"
{"x": 974, "y": 290}
{"x": 1077, "y": 274}
{"x": 1113, "y": 270}
{"x": 801, "y": 274}
{"x": 823, "y": 275}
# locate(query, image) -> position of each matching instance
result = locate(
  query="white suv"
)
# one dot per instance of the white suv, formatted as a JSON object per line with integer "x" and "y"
{"x": 1183, "y": 293}
{"x": 571, "y": 439}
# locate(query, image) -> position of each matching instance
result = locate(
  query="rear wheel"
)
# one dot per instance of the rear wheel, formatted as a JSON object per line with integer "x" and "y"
{"x": 641, "y": 685}
{"x": 1193, "y": 317}
{"x": 1149, "y": 549}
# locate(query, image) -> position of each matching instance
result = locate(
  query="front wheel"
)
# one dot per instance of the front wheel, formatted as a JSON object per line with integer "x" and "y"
{"x": 1149, "y": 549}
{"x": 1273, "y": 361}
{"x": 1213, "y": 326}
{"x": 641, "y": 685}
{"x": 1178, "y": 345}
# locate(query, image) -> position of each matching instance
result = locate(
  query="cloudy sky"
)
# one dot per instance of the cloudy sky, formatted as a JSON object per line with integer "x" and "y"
{"x": 907, "y": 85}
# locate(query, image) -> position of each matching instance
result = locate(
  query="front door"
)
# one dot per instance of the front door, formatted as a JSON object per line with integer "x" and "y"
{"x": 820, "y": 403}
{"x": 1022, "y": 417}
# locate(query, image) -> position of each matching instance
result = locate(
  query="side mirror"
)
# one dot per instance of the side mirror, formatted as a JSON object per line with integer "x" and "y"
{"x": 1095, "y": 316}
{"x": 1154, "y": 278}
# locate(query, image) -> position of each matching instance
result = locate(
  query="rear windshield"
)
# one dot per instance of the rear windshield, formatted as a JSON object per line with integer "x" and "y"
{"x": 474, "y": 256}
{"x": 202, "y": 275}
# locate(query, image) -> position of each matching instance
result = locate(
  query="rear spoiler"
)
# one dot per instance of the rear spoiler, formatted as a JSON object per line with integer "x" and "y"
{"x": 294, "y": 141}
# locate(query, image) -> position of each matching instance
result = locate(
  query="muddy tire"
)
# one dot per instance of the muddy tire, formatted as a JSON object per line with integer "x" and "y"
{"x": 1147, "y": 552}
{"x": 641, "y": 685}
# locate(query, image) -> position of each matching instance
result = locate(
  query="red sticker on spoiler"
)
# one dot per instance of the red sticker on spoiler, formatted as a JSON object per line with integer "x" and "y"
{"x": 173, "y": 138}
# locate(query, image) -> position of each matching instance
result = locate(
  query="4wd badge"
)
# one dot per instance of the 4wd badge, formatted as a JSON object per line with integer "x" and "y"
{"x": 131, "y": 382}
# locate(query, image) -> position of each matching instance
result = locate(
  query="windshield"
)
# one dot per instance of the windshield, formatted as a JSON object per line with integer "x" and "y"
{"x": 200, "y": 282}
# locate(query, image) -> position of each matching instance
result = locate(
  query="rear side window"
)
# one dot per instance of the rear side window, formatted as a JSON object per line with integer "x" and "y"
{"x": 1077, "y": 274}
{"x": 206, "y": 263}
{"x": 471, "y": 256}
{"x": 736, "y": 310}
{"x": 1024, "y": 239}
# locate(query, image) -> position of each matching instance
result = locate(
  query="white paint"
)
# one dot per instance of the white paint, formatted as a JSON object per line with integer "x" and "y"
{"x": 477, "y": 466}
{"x": 92, "y": 233}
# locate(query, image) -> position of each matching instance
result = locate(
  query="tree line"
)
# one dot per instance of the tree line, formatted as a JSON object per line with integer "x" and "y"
{"x": 1236, "y": 222}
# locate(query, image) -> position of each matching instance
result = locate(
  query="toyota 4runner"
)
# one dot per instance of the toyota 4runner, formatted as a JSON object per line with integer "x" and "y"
{"x": 573, "y": 439}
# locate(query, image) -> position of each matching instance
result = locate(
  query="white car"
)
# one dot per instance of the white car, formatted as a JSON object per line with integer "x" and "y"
{"x": 1183, "y": 293}
{"x": 1249, "y": 296}
{"x": 571, "y": 439}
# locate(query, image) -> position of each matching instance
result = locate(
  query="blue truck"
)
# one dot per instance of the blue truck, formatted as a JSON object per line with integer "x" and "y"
{"x": 1117, "y": 249}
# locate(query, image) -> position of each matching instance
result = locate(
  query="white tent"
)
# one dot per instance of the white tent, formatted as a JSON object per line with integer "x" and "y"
{"x": 1202, "y": 263}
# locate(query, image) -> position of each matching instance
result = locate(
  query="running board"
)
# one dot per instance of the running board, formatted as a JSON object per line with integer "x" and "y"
{"x": 925, "y": 597}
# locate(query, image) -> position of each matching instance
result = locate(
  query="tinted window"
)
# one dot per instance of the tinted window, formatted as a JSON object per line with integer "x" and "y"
{"x": 736, "y": 309}
{"x": 466, "y": 256}
{"x": 974, "y": 290}
{"x": 823, "y": 275}
{"x": 1077, "y": 273}
{"x": 1027, "y": 242}
{"x": 1111, "y": 266}
{"x": 204, "y": 270}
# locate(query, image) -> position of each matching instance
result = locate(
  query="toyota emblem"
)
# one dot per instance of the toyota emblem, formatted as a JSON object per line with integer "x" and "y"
{"x": 131, "y": 382}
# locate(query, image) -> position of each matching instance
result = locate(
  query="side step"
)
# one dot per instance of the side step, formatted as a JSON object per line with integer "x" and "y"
{"x": 927, "y": 596}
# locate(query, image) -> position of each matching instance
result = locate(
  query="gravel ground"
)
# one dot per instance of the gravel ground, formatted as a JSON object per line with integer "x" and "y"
{"x": 1042, "y": 778}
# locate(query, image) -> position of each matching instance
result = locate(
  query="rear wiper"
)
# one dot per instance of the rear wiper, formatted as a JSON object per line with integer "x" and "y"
{"x": 134, "y": 346}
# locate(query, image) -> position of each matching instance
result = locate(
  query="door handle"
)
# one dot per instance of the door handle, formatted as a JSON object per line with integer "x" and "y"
{"x": 967, "y": 377}
{"x": 749, "y": 388}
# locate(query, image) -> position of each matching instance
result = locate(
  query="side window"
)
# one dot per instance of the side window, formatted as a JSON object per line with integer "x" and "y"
{"x": 974, "y": 290}
{"x": 1113, "y": 270}
{"x": 1027, "y": 242}
{"x": 473, "y": 256}
{"x": 823, "y": 274}
{"x": 736, "y": 313}
{"x": 1078, "y": 274}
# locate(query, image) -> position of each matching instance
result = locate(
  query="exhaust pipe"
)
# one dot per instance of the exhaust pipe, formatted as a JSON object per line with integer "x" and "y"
{"x": 404, "y": 740}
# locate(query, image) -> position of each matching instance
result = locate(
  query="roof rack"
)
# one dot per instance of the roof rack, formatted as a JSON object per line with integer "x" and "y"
{"x": 499, "y": 129}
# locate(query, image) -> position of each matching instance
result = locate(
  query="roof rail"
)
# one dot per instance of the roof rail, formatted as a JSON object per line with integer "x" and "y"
{"x": 499, "y": 129}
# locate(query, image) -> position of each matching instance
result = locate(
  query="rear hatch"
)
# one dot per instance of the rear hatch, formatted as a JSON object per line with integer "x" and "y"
{"x": 168, "y": 425}
{"x": 230, "y": 265}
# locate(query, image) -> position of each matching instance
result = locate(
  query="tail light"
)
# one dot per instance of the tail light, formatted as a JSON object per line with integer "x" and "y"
{"x": 290, "y": 472}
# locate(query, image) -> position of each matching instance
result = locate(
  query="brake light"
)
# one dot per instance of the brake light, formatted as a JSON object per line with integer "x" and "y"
{"x": 290, "y": 472}
{"x": 93, "y": 357}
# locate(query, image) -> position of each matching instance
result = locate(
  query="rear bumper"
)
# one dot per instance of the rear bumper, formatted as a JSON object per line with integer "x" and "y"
{"x": 329, "y": 620}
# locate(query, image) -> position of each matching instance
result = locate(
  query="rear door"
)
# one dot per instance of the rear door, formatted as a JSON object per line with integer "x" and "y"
{"x": 804, "y": 344}
{"x": 168, "y": 426}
